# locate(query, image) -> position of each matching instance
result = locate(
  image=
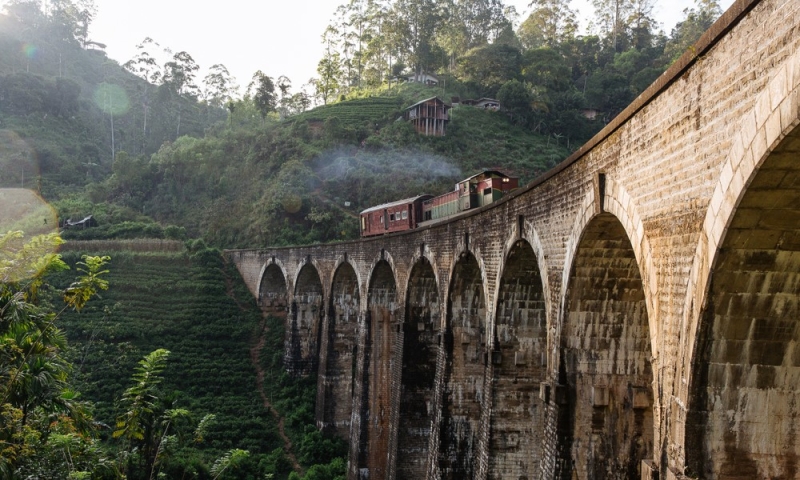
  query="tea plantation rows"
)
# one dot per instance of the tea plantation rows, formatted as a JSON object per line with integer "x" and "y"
{"x": 181, "y": 303}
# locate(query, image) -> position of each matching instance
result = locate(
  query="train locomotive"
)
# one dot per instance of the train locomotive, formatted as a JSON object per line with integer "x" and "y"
{"x": 401, "y": 215}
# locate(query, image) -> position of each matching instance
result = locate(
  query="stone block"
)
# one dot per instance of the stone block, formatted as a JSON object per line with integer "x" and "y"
{"x": 649, "y": 470}
{"x": 600, "y": 396}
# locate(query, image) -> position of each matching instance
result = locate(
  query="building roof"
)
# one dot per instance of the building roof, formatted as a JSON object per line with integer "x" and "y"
{"x": 472, "y": 101}
{"x": 428, "y": 100}
{"x": 396, "y": 203}
{"x": 422, "y": 74}
{"x": 498, "y": 172}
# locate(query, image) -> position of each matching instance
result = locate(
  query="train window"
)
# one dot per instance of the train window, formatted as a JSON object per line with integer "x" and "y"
{"x": 391, "y": 217}
{"x": 487, "y": 191}
{"x": 381, "y": 218}
{"x": 405, "y": 215}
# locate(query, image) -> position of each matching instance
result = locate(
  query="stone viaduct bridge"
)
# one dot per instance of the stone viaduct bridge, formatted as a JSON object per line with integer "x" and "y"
{"x": 633, "y": 314}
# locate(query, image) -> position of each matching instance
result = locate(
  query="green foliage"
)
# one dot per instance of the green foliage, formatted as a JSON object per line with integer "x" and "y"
{"x": 696, "y": 21}
{"x": 486, "y": 68}
{"x": 138, "y": 400}
{"x": 335, "y": 470}
{"x": 45, "y": 431}
{"x": 360, "y": 111}
{"x": 88, "y": 284}
{"x": 65, "y": 101}
{"x": 229, "y": 461}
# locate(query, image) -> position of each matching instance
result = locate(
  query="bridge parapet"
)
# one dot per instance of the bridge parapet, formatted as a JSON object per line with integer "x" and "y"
{"x": 621, "y": 312}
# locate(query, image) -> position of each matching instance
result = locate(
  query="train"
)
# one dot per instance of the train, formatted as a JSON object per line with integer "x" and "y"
{"x": 409, "y": 213}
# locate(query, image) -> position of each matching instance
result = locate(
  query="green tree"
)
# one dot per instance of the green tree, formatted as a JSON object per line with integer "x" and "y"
{"x": 642, "y": 24}
{"x": 612, "y": 18}
{"x": 220, "y": 86}
{"x": 263, "y": 93}
{"x": 138, "y": 424}
{"x": 329, "y": 69}
{"x": 696, "y": 21}
{"x": 516, "y": 99}
{"x": 487, "y": 68}
{"x": 41, "y": 415}
{"x": 145, "y": 66}
{"x": 550, "y": 23}
{"x": 180, "y": 74}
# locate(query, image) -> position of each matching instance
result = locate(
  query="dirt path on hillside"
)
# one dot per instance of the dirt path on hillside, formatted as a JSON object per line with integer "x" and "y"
{"x": 254, "y": 354}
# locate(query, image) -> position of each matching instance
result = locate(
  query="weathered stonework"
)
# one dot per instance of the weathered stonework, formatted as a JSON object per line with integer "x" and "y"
{"x": 632, "y": 315}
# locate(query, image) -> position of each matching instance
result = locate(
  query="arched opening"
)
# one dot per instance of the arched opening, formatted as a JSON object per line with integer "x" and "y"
{"x": 744, "y": 404}
{"x": 420, "y": 349}
{"x": 304, "y": 329}
{"x": 379, "y": 340}
{"x": 605, "y": 425}
{"x": 465, "y": 347}
{"x": 342, "y": 341}
{"x": 272, "y": 291}
{"x": 519, "y": 365}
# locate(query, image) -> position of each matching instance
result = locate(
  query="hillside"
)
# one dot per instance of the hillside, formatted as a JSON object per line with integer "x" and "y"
{"x": 233, "y": 178}
{"x": 69, "y": 110}
{"x": 304, "y": 179}
{"x": 197, "y": 307}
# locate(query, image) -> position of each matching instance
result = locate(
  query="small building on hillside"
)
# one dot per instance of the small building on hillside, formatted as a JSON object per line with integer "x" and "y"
{"x": 484, "y": 103}
{"x": 429, "y": 116}
{"x": 87, "y": 222}
{"x": 590, "y": 113}
{"x": 424, "y": 78}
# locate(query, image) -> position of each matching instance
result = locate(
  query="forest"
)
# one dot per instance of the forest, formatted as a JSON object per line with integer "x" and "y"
{"x": 150, "y": 149}
{"x": 180, "y": 373}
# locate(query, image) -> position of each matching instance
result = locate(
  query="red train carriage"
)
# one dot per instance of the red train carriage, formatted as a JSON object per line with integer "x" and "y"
{"x": 392, "y": 217}
{"x": 473, "y": 192}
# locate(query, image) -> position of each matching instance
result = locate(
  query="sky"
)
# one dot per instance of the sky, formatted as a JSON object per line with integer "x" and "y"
{"x": 279, "y": 37}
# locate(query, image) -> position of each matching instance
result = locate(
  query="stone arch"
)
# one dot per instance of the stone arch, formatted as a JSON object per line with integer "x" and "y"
{"x": 617, "y": 202}
{"x": 420, "y": 343}
{"x": 306, "y": 312}
{"x": 425, "y": 254}
{"x": 337, "y": 376}
{"x": 466, "y": 359}
{"x": 743, "y": 418}
{"x": 380, "y": 324}
{"x": 775, "y": 114}
{"x": 272, "y": 286}
{"x": 605, "y": 415}
{"x": 519, "y": 364}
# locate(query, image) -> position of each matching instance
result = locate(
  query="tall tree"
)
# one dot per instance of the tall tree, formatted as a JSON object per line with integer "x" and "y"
{"x": 180, "y": 74}
{"x": 263, "y": 93}
{"x": 179, "y": 78}
{"x": 284, "y": 85}
{"x": 220, "y": 86}
{"x": 329, "y": 68}
{"x": 642, "y": 24}
{"x": 612, "y": 18}
{"x": 550, "y": 23}
{"x": 695, "y": 22}
{"x": 145, "y": 66}
{"x": 415, "y": 21}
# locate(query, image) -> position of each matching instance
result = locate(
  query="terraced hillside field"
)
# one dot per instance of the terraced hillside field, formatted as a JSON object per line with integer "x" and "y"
{"x": 196, "y": 307}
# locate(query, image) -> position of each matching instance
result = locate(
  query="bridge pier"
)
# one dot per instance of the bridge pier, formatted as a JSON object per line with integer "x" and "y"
{"x": 632, "y": 314}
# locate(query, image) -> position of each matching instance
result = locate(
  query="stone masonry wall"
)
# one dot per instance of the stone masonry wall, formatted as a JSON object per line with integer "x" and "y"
{"x": 694, "y": 190}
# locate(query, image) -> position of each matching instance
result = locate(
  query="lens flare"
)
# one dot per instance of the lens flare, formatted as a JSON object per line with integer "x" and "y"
{"x": 28, "y": 228}
{"x": 19, "y": 164}
{"x": 111, "y": 99}
{"x": 29, "y": 50}
{"x": 23, "y": 212}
